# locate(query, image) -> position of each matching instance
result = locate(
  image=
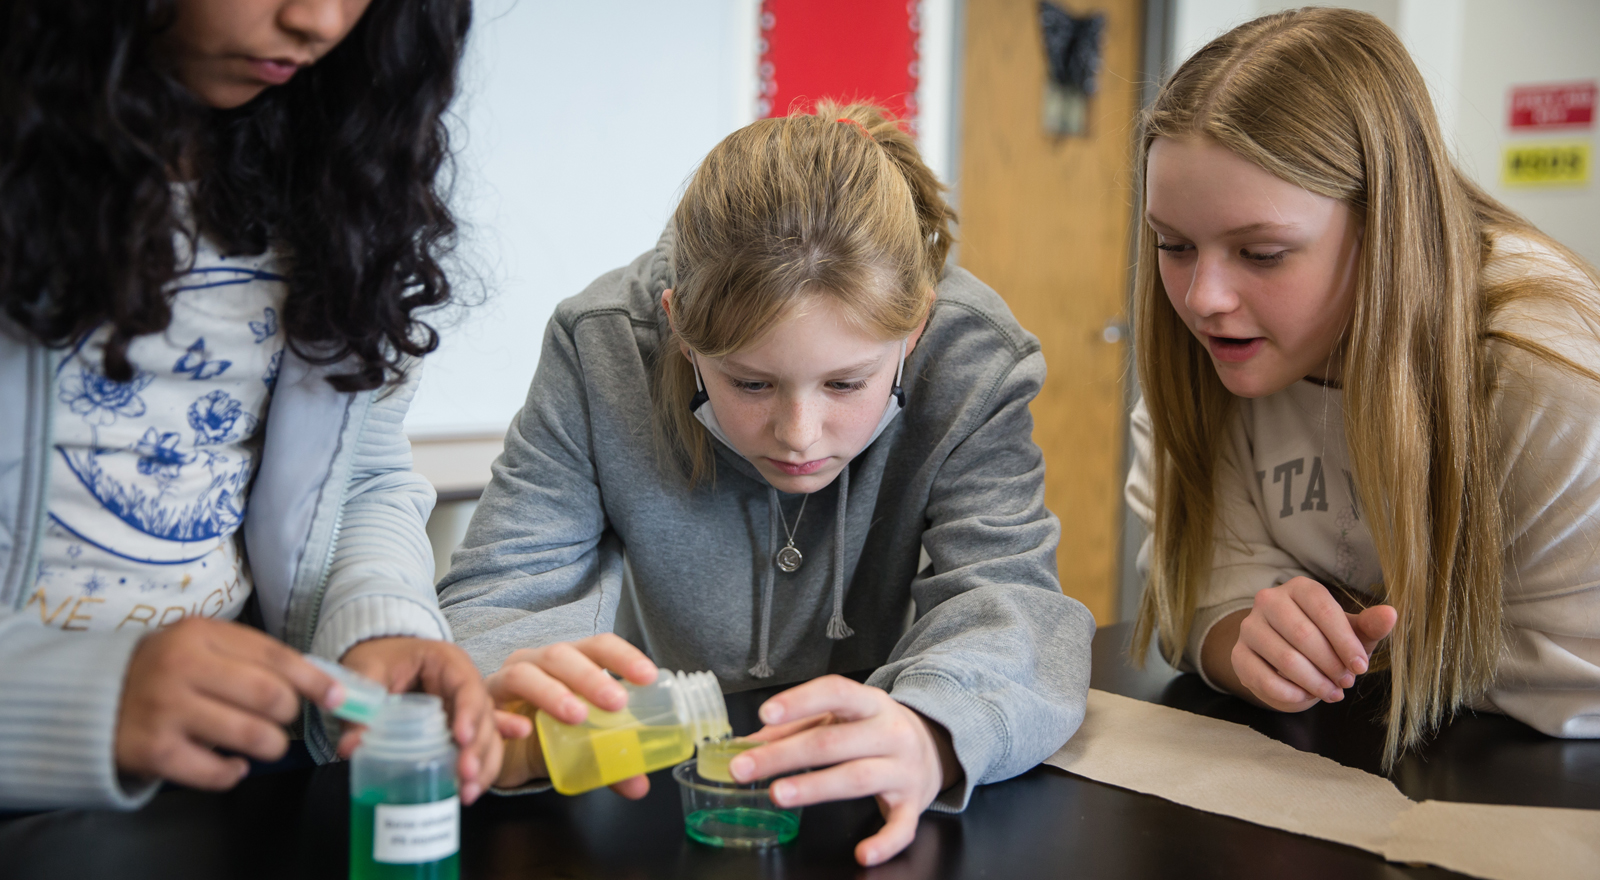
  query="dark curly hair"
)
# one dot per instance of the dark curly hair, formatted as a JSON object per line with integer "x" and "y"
{"x": 339, "y": 169}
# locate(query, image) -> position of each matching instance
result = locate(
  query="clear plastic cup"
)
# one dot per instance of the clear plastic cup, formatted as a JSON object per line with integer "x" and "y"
{"x": 727, "y": 814}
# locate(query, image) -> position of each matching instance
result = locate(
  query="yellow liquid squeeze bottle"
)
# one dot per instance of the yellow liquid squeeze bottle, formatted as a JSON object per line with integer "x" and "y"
{"x": 658, "y": 728}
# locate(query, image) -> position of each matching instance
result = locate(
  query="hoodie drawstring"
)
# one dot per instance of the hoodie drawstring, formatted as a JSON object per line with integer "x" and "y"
{"x": 763, "y": 669}
{"x": 837, "y": 628}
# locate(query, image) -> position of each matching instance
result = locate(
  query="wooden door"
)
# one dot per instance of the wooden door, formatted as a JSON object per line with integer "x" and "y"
{"x": 1045, "y": 221}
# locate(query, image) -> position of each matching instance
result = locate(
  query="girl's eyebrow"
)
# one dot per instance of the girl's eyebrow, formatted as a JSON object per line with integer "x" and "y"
{"x": 1247, "y": 229}
{"x": 1156, "y": 221}
{"x": 1264, "y": 226}
{"x": 865, "y": 366}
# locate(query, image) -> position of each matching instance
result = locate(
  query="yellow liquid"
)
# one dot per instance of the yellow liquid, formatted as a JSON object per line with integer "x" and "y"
{"x": 609, "y": 747}
{"x": 714, "y": 756}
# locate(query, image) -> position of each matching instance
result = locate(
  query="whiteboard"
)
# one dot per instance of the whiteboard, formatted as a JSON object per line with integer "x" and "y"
{"x": 576, "y": 128}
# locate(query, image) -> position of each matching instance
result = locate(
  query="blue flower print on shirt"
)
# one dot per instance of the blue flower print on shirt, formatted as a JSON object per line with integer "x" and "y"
{"x": 267, "y": 327}
{"x": 215, "y": 416}
{"x": 159, "y": 456}
{"x": 270, "y": 377}
{"x": 101, "y": 400}
{"x": 93, "y": 585}
{"x": 197, "y": 363}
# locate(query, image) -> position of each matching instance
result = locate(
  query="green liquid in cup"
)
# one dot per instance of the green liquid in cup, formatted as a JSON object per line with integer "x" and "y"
{"x": 742, "y": 826}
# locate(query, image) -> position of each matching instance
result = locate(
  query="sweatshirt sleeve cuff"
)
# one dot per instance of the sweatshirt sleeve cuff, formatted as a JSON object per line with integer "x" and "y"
{"x": 376, "y": 616}
{"x": 977, "y": 731}
{"x": 1204, "y": 620}
{"x": 59, "y": 727}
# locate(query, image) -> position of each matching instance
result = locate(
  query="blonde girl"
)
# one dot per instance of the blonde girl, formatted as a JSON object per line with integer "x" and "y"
{"x": 794, "y": 337}
{"x": 1371, "y": 413}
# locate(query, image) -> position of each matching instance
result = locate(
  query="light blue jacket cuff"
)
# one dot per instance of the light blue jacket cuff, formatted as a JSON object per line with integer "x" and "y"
{"x": 62, "y": 694}
{"x": 372, "y": 616}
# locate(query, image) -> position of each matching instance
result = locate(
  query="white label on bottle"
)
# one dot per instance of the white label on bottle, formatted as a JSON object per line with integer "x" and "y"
{"x": 407, "y": 834}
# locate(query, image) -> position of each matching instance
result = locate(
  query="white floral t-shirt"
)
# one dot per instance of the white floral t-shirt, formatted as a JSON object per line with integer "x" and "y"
{"x": 149, "y": 477}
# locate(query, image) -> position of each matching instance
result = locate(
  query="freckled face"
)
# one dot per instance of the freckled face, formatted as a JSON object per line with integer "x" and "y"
{"x": 802, "y": 401}
{"x": 1262, "y": 271}
{"x": 229, "y": 51}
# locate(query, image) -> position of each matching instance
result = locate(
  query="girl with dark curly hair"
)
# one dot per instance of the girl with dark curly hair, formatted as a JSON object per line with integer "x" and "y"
{"x": 220, "y": 221}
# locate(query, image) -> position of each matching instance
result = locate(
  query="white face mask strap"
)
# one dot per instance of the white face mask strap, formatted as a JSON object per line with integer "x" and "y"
{"x": 698, "y": 385}
{"x": 900, "y": 370}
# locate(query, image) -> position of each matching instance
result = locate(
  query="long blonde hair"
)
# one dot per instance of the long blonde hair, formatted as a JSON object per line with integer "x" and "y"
{"x": 1329, "y": 100}
{"x": 837, "y": 203}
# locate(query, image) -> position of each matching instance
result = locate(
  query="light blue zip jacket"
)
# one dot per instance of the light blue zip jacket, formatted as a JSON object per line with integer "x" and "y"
{"x": 334, "y": 533}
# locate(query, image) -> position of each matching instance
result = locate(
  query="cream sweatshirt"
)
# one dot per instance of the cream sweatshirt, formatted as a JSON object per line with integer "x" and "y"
{"x": 1287, "y": 507}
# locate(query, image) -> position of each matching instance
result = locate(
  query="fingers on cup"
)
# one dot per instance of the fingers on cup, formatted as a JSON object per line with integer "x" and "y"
{"x": 845, "y": 699}
{"x": 822, "y": 746}
{"x": 851, "y": 779}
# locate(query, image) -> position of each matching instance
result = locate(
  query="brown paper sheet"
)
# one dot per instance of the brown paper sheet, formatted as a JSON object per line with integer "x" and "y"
{"x": 1505, "y": 843}
{"x": 1229, "y": 769}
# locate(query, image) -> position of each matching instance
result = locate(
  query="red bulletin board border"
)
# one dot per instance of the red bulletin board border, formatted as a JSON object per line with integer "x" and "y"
{"x": 842, "y": 49}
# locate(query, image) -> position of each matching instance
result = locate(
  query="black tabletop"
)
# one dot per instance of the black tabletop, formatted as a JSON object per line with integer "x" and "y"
{"x": 1044, "y": 823}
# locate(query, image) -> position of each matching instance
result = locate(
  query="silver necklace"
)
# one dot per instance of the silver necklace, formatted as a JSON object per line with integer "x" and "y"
{"x": 789, "y": 558}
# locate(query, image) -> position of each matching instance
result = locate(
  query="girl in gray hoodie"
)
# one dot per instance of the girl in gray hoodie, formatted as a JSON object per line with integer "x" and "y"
{"x": 794, "y": 335}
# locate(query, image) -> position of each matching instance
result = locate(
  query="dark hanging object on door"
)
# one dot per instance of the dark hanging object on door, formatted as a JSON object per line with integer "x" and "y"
{"x": 1072, "y": 48}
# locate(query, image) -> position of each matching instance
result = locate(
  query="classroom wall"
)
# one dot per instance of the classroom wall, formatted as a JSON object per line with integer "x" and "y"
{"x": 577, "y": 126}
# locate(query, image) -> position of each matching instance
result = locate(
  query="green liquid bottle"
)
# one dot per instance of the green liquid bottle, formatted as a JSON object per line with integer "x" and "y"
{"x": 405, "y": 817}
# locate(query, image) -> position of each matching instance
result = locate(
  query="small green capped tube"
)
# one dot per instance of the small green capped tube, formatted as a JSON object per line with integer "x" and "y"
{"x": 362, "y": 696}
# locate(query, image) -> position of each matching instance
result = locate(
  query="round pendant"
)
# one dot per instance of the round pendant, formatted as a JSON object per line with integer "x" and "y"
{"x": 789, "y": 559}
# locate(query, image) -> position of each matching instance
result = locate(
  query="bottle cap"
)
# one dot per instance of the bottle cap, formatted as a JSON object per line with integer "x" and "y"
{"x": 363, "y": 697}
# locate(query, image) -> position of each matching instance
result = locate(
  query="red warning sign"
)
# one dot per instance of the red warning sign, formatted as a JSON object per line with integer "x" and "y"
{"x": 1559, "y": 105}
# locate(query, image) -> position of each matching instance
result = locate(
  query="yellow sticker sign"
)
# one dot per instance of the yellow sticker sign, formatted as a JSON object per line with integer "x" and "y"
{"x": 1546, "y": 164}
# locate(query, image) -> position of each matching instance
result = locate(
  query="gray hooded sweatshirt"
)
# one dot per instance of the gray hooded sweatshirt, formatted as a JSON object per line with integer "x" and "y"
{"x": 582, "y": 530}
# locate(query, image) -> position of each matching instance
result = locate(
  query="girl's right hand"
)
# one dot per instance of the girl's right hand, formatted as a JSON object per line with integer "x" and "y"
{"x": 204, "y": 683}
{"x": 554, "y": 678}
{"x": 1297, "y": 646}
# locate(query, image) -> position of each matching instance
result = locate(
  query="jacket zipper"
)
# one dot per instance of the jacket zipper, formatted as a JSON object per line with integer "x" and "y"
{"x": 30, "y": 564}
{"x": 338, "y": 524}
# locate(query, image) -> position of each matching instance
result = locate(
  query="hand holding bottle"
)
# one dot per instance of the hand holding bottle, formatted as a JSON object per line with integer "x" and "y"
{"x": 440, "y": 668}
{"x": 202, "y": 683}
{"x": 558, "y": 679}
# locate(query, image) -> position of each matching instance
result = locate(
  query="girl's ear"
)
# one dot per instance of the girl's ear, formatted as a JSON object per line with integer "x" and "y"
{"x": 666, "y": 306}
{"x": 916, "y": 335}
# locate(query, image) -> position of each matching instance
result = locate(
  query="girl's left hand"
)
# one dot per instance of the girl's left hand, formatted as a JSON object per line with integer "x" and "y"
{"x": 875, "y": 746}
{"x": 404, "y": 664}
